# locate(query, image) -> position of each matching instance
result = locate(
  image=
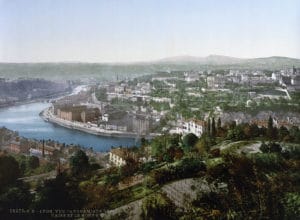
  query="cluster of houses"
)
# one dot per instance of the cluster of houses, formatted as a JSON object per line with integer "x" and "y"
{"x": 288, "y": 78}
{"x": 33, "y": 148}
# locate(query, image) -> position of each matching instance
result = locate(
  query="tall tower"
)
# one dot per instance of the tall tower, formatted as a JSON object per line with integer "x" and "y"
{"x": 294, "y": 70}
{"x": 43, "y": 149}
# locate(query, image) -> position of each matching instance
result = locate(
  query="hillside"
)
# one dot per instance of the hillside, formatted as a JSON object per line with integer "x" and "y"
{"x": 112, "y": 71}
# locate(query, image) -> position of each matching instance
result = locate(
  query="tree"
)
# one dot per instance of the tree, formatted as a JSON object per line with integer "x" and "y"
{"x": 219, "y": 123}
{"x": 271, "y": 131}
{"x": 247, "y": 130}
{"x": 15, "y": 197}
{"x": 283, "y": 132}
{"x": 291, "y": 203}
{"x": 213, "y": 128}
{"x": 157, "y": 206}
{"x": 264, "y": 148}
{"x": 101, "y": 94}
{"x": 33, "y": 162}
{"x": 59, "y": 193}
{"x": 143, "y": 141}
{"x": 295, "y": 134}
{"x": 275, "y": 148}
{"x": 254, "y": 130}
{"x": 9, "y": 171}
{"x": 158, "y": 146}
{"x": 236, "y": 133}
{"x": 130, "y": 167}
{"x": 204, "y": 143}
{"x": 208, "y": 126}
{"x": 270, "y": 123}
{"x": 79, "y": 163}
{"x": 189, "y": 141}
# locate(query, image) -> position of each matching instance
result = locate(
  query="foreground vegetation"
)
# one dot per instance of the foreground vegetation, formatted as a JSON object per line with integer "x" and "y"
{"x": 262, "y": 184}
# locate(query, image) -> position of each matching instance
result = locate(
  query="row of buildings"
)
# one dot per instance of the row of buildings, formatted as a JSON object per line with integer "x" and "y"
{"x": 80, "y": 113}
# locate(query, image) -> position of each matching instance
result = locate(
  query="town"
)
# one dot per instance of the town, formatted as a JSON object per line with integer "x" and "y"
{"x": 182, "y": 102}
{"x": 150, "y": 110}
{"x": 192, "y": 127}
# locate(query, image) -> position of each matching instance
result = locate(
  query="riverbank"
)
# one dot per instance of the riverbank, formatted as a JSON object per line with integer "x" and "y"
{"x": 42, "y": 99}
{"x": 47, "y": 116}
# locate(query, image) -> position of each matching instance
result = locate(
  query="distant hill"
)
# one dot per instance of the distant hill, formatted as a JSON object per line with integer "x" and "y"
{"x": 209, "y": 60}
{"x": 226, "y": 60}
{"x": 112, "y": 71}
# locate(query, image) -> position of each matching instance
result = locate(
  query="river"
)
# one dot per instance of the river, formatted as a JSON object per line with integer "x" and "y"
{"x": 26, "y": 121}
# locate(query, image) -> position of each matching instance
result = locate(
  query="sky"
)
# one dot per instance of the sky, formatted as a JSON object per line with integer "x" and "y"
{"x": 144, "y": 30}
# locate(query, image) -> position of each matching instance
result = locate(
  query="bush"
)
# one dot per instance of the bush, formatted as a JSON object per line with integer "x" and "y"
{"x": 186, "y": 168}
{"x": 268, "y": 161}
{"x": 157, "y": 206}
{"x": 9, "y": 171}
{"x": 270, "y": 148}
{"x": 291, "y": 203}
{"x": 189, "y": 141}
{"x": 79, "y": 163}
{"x": 33, "y": 162}
{"x": 147, "y": 167}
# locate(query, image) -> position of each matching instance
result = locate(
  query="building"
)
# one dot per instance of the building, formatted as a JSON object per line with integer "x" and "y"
{"x": 285, "y": 80}
{"x": 105, "y": 117}
{"x": 42, "y": 150}
{"x": 191, "y": 76}
{"x": 15, "y": 147}
{"x": 141, "y": 124}
{"x": 193, "y": 126}
{"x": 81, "y": 113}
{"x": 215, "y": 82}
{"x": 296, "y": 81}
{"x": 276, "y": 76}
{"x": 18, "y": 147}
{"x": 118, "y": 156}
{"x": 259, "y": 123}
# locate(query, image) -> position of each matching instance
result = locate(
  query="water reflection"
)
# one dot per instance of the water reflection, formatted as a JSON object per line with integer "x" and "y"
{"x": 25, "y": 119}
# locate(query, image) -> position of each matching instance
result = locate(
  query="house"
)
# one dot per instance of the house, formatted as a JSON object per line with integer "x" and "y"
{"x": 191, "y": 77}
{"x": 141, "y": 124}
{"x": 215, "y": 82}
{"x": 15, "y": 147}
{"x": 42, "y": 150}
{"x": 285, "y": 81}
{"x": 193, "y": 126}
{"x": 260, "y": 123}
{"x": 296, "y": 81}
{"x": 275, "y": 76}
{"x": 105, "y": 117}
{"x": 118, "y": 156}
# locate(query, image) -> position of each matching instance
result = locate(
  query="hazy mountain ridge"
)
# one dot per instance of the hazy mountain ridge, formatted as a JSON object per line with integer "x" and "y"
{"x": 211, "y": 59}
{"x": 109, "y": 71}
{"x": 226, "y": 60}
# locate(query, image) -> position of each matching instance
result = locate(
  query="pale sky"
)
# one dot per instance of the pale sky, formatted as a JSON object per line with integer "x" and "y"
{"x": 140, "y": 30}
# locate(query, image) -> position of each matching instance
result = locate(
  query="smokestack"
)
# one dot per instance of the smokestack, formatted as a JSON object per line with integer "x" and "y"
{"x": 43, "y": 150}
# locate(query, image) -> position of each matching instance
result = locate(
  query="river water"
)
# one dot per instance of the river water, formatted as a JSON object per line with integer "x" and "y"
{"x": 26, "y": 121}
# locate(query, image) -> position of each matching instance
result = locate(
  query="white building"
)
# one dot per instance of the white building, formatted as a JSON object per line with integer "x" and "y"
{"x": 191, "y": 76}
{"x": 118, "y": 156}
{"x": 215, "y": 82}
{"x": 192, "y": 126}
{"x": 105, "y": 117}
{"x": 161, "y": 99}
{"x": 275, "y": 76}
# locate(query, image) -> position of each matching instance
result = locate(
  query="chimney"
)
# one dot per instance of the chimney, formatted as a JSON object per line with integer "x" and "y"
{"x": 43, "y": 149}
